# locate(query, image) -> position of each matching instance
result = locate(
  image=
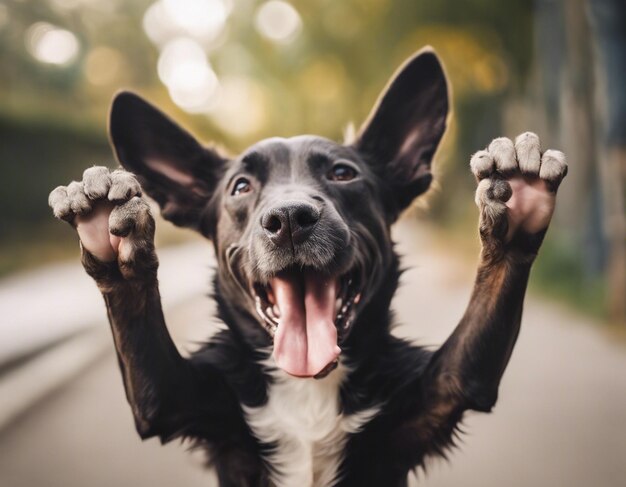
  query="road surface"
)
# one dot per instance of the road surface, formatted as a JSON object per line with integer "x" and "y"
{"x": 560, "y": 419}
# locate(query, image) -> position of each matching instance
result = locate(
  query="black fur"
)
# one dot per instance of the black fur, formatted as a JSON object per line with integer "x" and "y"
{"x": 423, "y": 393}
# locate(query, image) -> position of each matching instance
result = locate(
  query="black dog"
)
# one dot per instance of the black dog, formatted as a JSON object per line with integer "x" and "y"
{"x": 307, "y": 386}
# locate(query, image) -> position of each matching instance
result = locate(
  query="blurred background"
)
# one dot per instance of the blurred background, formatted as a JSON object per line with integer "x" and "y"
{"x": 235, "y": 71}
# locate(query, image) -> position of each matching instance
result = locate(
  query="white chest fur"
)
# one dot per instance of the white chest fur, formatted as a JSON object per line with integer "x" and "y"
{"x": 303, "y": 420}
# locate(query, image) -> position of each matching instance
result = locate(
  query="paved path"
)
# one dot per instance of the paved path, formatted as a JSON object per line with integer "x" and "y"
{"x": 48, "y": 304}
{"x": 560, "y": 420}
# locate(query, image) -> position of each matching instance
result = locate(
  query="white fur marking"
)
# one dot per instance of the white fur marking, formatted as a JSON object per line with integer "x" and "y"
{"x": 303, "y": 420}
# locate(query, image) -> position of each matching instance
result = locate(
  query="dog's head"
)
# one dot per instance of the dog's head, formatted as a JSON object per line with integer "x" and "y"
{"x": 300, "y": 225}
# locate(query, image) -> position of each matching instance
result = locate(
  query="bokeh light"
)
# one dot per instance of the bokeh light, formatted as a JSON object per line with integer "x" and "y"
{"x": 157, "y": 25}
{"x": 241, "y": 107}
{"x": 183, "y": 67}
{"x": 50, "y": 44}
{"x": 203, "y": 20}
{"x": 278, "y": 21}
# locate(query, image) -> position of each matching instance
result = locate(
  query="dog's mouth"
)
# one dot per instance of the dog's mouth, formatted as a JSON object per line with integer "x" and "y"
{"x": 308, "y": 314}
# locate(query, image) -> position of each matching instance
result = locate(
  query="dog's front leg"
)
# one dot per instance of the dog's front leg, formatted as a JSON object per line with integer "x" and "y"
{"x": 516, "y": 197}
{"x": 116, "y": 231}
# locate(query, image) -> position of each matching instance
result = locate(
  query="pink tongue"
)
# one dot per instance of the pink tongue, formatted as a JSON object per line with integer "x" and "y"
{"x": 306, "y": 338}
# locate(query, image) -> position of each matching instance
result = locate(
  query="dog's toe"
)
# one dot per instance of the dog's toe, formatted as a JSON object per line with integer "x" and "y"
{"x": 132, "y": 222}
{"x": 124, "y": 186}
{"x": 134, "y": 215}
{"x": 78, "y": 200}
{"x": 528, "y": 150}
{"x": 97, "y": 181}
{"x": 491, "y": 196}
{"x": 553, "y": 167}
{"x": 60, "y": 203}
{"x": 502, "y": 151}
{"x": 481, "y": 164}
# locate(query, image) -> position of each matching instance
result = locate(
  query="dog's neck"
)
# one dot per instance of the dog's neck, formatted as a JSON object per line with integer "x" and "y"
{"x": 305, "y": 421}
{"x": 373, "y": 322}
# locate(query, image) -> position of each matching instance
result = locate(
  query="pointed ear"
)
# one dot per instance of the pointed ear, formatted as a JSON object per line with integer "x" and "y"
{"x": 172, "y": 167}
{"x": 405, "y": 126}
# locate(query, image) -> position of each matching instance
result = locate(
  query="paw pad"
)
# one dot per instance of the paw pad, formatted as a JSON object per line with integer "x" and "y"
{"x": 112, "y": 220}
{"x": 517, "y": 186}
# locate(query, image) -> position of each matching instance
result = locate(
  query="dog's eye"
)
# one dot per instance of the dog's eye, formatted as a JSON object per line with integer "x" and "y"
{"x": 341, "y": 172}
{"x": 242, "y": 185}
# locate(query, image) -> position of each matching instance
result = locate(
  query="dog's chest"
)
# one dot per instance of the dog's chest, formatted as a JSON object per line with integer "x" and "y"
{"x": 303, "y": 423}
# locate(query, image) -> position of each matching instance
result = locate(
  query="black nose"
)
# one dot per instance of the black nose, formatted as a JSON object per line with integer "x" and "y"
{"x": 290, "y": 224}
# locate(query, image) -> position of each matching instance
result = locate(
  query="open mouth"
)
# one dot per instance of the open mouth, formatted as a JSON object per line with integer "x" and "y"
{"x": 308, "y": 314}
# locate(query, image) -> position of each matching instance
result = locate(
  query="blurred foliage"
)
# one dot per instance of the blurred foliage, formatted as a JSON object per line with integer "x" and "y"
{"x": 558, "y": 274}
{"x": 53, "y": 118}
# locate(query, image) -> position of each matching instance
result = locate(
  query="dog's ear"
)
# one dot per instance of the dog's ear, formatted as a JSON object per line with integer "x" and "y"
{"x": 405, "y": 126}
{"x": 172, "y": 167}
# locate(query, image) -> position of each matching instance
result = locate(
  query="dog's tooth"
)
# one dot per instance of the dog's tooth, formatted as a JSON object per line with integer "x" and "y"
{"x": 271, "y": 323}
{"x": 272, "y": 316}
{"x": 357, "y": 298}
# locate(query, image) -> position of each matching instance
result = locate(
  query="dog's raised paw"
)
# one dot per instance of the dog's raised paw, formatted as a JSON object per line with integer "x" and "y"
{"x": 517, "y": 186}
{"x": 112, "y": 220}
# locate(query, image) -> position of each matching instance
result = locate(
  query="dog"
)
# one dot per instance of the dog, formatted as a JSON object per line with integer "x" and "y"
{"x": 306, "y": 385}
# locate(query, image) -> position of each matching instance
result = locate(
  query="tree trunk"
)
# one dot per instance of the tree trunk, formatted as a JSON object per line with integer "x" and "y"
{"x": 609, "y": 26}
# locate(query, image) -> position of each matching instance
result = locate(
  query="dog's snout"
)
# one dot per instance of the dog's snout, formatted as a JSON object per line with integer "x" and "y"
{"x": 290, "y": 224}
